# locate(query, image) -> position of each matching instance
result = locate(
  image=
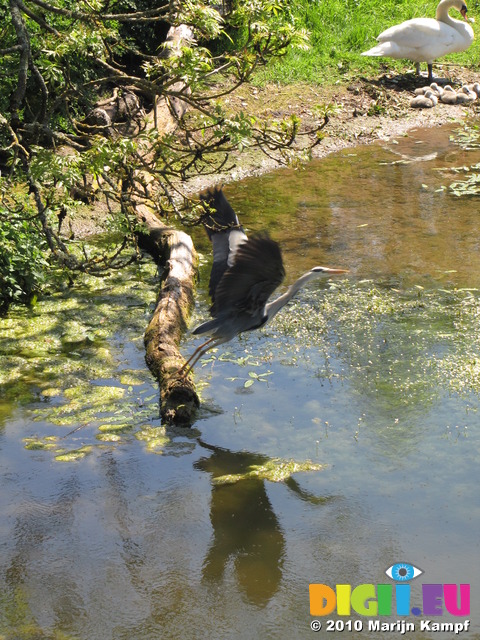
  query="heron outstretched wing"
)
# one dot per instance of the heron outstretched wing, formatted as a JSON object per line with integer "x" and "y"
{"x": 225, "y": 246}
{"x": 255, "y": 274}
{"x": 225, "y": 232}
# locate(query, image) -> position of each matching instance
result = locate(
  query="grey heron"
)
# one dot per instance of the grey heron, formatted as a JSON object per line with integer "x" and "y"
{"x": 245, "y": 273}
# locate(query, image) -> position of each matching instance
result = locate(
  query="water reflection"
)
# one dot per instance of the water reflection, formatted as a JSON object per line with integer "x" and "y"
{"x": 376, "y": 380}
{"x": 380, "y": 218}
{"x": 246, "y": 530}
{"x": 37, "y": 523}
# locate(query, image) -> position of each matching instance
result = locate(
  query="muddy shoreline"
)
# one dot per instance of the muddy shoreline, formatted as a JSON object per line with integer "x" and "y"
{"x": 365, "y": 111}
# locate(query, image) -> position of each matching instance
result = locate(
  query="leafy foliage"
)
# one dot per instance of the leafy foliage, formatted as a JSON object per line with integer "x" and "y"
{"x": 80, "y": 100}
{"x": 22, "y": 260}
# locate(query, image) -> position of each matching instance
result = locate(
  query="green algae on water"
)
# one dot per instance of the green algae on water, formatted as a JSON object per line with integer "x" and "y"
{"x": 74, "y": 454}
{"x": 155, "y": 438}
{"x": 402, "y": 347}
{"x": 411, "y": 343}
{"x": 273, "y": 470}
{"x": 66, "y": 358}
{"x": 48, "y": 443}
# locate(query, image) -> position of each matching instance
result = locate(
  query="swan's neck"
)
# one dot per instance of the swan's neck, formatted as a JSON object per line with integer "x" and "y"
{"x": 443, "y": 16}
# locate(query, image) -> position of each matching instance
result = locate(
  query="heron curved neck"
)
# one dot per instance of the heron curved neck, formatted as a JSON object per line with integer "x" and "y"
{"x": 272, "y": 308}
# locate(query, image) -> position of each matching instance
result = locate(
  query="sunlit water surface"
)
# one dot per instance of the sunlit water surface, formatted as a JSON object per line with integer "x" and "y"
{"x": 375, "y": 377}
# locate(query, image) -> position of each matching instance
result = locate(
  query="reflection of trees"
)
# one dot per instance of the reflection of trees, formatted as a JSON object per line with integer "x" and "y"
{"x": 36, "y": 524}
{"x": 107, "y": 544}
{"x": 47, "y": 576}
{"x": 246, "y": 529}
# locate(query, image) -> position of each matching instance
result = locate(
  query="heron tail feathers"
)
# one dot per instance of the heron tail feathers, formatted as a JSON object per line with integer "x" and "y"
{"x": 206, "y": 328}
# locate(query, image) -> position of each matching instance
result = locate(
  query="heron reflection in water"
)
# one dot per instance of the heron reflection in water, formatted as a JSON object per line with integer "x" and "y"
{"x": 247, "y": 534}
{"x": 245, "y": 273}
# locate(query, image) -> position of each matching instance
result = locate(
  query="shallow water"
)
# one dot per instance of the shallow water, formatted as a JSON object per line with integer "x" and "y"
{"x": 374, "y": 378}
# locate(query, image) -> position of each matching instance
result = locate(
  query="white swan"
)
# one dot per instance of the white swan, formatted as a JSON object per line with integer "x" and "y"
{"x": 437, "y": 89}
{"x": 425, "y": 39}
{"x": 475, "y": 87}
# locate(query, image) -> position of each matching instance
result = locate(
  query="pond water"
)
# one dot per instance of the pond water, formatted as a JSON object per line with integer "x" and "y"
{"x": 114, "y": 528}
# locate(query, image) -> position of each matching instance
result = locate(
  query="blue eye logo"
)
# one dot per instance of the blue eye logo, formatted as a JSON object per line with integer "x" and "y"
{"x": 403, "y": 572}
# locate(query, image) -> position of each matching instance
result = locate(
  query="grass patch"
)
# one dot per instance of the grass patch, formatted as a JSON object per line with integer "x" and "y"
{"x": 341, "y": 30}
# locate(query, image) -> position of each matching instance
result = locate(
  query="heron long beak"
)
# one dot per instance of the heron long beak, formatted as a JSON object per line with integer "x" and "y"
{"x": 334, "y": 271}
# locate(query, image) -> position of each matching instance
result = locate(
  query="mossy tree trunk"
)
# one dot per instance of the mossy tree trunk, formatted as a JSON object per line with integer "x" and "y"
{"x": 174, "y": 252}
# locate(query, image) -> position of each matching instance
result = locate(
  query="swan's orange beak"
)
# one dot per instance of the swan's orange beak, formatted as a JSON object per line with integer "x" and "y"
{"x": 463, "y": 11}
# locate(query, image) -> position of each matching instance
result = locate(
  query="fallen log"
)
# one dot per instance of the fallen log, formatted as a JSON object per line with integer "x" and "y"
{"x": 174, "y": 251}
{"x": 175, "y": 254}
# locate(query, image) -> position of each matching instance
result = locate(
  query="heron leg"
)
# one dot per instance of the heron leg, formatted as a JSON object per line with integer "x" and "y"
{"x": 197, "y": 354}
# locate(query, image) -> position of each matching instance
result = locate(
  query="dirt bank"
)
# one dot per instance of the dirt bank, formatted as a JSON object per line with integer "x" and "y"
{"x": 366, "y": 110}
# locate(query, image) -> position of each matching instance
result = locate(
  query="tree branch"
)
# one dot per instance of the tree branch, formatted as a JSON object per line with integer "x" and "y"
{"x": 38, "y": 19}
{"x": 18, "y": 95}
{"x": 139, "y": 16}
